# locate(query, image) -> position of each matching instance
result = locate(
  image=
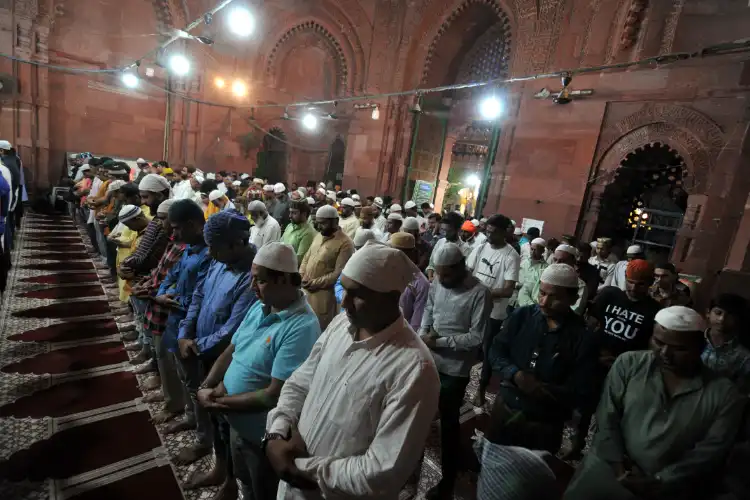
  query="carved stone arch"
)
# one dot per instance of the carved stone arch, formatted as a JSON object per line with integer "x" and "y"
{"x": 695, "y": 136}
{"x": 502, "y": 18}
{"x": 340, "y": 51}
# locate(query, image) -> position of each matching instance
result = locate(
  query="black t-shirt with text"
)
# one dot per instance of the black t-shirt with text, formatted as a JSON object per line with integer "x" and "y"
{"x": 625, "y": 325}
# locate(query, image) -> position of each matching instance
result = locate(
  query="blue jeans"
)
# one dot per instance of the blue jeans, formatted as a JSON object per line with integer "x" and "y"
{"x": 139, "y": 311}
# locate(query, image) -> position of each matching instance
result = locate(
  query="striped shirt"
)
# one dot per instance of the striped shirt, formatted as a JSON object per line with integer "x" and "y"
{"x": 149, "y": 250}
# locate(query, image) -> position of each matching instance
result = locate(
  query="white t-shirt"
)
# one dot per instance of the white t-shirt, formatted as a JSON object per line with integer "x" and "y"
{"x": 493, "y": 267}
{"x": 267, "y": 232}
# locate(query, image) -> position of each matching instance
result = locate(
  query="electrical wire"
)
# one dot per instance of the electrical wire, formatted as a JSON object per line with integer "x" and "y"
{"x": 740, "y": 46}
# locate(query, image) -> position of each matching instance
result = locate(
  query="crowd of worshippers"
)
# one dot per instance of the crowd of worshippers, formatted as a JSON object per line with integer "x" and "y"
{"x": 13, "y": 195}
{"x": 312, "y": 339}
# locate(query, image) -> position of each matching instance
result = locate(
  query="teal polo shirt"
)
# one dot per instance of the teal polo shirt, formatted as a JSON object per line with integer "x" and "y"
{"x": 267, "y": 345}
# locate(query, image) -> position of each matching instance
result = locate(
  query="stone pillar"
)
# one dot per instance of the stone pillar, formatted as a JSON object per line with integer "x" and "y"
{"x": 442, "y": 182}
{"x": 591, "y": 217}
{"x": 24, "y": 120}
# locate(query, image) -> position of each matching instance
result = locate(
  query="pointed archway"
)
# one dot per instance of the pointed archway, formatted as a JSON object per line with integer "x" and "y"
{"x": 645, "y": 202}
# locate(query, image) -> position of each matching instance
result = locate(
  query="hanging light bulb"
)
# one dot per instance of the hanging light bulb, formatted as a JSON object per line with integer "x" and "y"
{"x": 310, "y": 121}
{"x": 239, "y": 88}
{"x": 179, "y": 64}
{"x": 376, "y": 113}
{"x": 129, "y": 80}
{"x": 241, "y": 22}
{"x": 490, "y": 108}
{"x": 219, "y": 82}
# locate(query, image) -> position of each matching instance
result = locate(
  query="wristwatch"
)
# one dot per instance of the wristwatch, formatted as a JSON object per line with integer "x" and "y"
{"x": 270, "y": 436}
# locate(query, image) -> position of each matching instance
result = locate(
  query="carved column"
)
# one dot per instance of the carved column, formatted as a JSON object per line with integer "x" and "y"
{"x": 25, "y": 122}
{"x": 442, "y": 181}
{"x": 594, "y": 202}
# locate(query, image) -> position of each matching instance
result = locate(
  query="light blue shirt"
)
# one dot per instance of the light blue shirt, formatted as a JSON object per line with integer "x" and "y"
{"x": 220, "y": 301}
{"x": 267, "y": 345}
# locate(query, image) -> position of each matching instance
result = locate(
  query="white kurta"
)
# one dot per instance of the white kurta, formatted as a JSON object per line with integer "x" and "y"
{"x": 183, "y": 190}
{"x": 617, "y": 278}
{"x": 605, "y": 267}
{"x": 363, "y": 408}
{"x": 93, "y": 193}
{"x": 266, "y": 232}
{"x": 349, "y": 225}
{"x": 381, "y": 223}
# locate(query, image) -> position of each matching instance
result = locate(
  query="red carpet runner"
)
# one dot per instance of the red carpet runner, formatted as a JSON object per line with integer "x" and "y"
{"x": 71, "y": 417}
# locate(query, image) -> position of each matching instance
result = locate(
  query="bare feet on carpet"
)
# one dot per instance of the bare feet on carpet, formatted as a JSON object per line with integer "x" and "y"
{"x": 145, "y": 368}
{"x": 179, "y": 426}
{"x": 134, "y": 347}
{"x": 163, "y": 417}
{"x": 154, "y": 397}
{"x": 151, "y": 383}
{"x": 140, "y": 358}
{"x": 190, "y": 455}
{"x": 128, "y": 333}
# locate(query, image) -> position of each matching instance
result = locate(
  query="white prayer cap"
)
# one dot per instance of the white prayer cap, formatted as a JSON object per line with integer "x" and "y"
{"x": 680, "y": 319}
{"x": 5, "y": 145}
{"x": 483, "y": 219}
{"x": 560, "y": 275}
{"x": 634, "y": 250}
{"x": 244, "y": 176}
{"x": 140, "y": 161}
{"x": 236, "y": 183}
{"x": 310, "y": 201}
{"x": 395, "y": 216}
{"x": 380, "y": 268}
{"x": 85, "y": 167}
{"x": 517, "y": 231}
{"x": 348, "y": 202}
{"x": 327, "y": 212}
{"x": 154, "y": 183}
{"x": 356, "y": 197}
{"x": 432, "y": 206}
{"x": 362, "y": 236}
{"x": 378, "y": 202}
{"x": 594, "y": 245}
{"x": 268, "y": 188}
{"x": 277, "y": 256}
{"x": 409, "y": 205}
{"x": 321, "y": 191}
{"x": 256, "y": 206}
{"x": 215, "y": 195}
{"x": 279, "y": 188}
{"x": 539, "y": 241}
{"x": 512, "y": 222}
{"x": 322, "y": 184}
{"x": 302, "y": 190}
{"x": 410, "y": 224}
{"x": 129, "y": 212}
{"x": 448, "y": 255}
{"x": 115, "y": 185}
{"x": 331, "y": 195}
{"x": 567, "y": 249}
{"x": 210, "y": 175}
{"x": 475, "y": 222}
{"x": 395, "y": 208}
{"x": 257, "y": 181}
{"x": 164, "y": 206}
{"x": 199, "y": 179}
